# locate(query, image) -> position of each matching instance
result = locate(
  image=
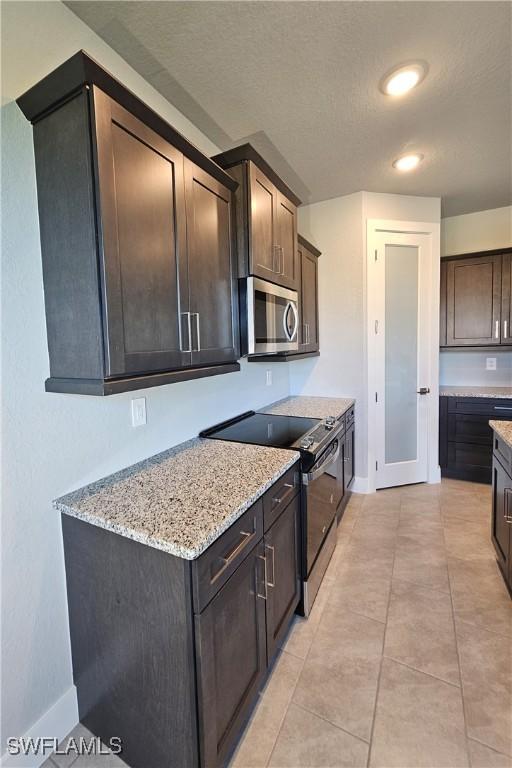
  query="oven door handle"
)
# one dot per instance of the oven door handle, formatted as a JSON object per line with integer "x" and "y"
{"x": 309, "y": 477}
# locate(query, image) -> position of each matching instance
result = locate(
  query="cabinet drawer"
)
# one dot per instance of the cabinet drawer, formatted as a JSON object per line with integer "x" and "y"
{"x": 281, "y": 493}
{"x": 214, "y": 567}
{"x": 492, "y": 407}
{"x": 469, "y": 428}
{"x": 467, "y": 455}
{"x": 503, "y": 452}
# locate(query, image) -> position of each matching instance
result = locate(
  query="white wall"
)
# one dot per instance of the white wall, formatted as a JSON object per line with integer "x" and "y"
{"x": 53, "y": 443}
{"x": 338, "y": 228}
{"x": 480, "y": 231}
{"x": 335, "y": 226}
{"x": 472, "y": 232}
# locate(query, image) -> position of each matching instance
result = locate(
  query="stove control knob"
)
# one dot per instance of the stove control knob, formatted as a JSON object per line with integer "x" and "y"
{"x": 330, "y": 422}
{"x": 307, "y": 443}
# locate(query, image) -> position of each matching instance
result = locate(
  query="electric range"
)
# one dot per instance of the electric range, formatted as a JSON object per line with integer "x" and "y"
{"x": 319, "y": 443}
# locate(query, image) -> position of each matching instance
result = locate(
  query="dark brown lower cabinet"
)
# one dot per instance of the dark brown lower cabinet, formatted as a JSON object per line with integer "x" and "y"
{"x": 465, "y": 437}
{"x": 231, "y": 657}
{"x": 502, "y": 508}
{"x": 282, "y": 549}
{"x": 169, "y": 654}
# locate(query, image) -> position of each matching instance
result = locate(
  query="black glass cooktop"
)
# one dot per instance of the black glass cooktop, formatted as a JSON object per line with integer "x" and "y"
{"x": 264, "y": 429}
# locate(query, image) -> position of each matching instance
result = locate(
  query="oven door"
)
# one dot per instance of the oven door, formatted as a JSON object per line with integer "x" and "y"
{"x": 272, "y": 318}
{"x": 324, "y": 491}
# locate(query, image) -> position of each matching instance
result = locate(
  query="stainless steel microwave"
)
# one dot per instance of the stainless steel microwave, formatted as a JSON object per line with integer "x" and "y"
{"x": 270, "y": 317}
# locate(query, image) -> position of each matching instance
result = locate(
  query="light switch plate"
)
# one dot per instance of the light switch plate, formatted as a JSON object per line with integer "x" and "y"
{"x": 490, "y": 363}
{"x": 269, "y": 378}
{"x": 138, "y": 412}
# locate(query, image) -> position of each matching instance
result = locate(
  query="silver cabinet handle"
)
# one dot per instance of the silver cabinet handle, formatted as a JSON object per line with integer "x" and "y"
{"x": 272, "y": 550}
{"x": 497, "y": 330}
{"x": 263, "y": 597}
{"x": 198, "y": 333}
{"x": 275, "y": 252}
{"x": 505, "y": 329}
{"x": 503, "y": 407}
{"x": 506, "y": 514}
{"x": 187, "y": 315}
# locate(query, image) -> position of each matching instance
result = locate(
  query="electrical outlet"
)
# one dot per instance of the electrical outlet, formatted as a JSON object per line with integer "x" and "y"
{"x": 269, "y": 378}
{"x": 490, "y": 363}
{"x": 138, "y": 412}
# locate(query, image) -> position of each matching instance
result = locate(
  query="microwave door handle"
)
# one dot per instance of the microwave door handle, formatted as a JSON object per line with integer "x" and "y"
{"x": 285, "y": 326}
{"x": 296, "y": 316}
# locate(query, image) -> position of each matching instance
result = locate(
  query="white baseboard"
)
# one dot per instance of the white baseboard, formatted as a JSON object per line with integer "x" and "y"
{"x": 56, "y": 722}
{"x": 361, "y": 485}
{"x": 435, "y": 475}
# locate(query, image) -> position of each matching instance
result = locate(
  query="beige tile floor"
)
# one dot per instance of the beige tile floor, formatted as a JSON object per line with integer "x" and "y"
{"x": 406, "y": 659}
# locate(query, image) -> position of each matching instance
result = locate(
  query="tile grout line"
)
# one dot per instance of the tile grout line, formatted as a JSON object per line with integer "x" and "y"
{"x": 290, "y": 701}
{"x": 330, "y": 722}
{"x": 285, "y": 710}
{"x": 374, "y": 717}
{"x": 488, "y": 746}
{"x": 298, "y": 678}
{"x": 463, "y": 701}
{"x": 422, "y": 672}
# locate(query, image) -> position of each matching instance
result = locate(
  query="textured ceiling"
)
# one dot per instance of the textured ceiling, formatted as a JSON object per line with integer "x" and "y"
{"x": 300, "y": 81}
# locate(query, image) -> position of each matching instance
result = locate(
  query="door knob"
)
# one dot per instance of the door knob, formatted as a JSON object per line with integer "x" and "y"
{"x": 423, "y": 390}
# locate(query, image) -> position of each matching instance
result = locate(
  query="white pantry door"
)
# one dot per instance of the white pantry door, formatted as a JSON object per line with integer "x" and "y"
{"x": 402, "y": 264}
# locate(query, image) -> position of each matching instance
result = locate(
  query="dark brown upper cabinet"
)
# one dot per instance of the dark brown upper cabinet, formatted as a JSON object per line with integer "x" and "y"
{"x": 136, "y": 238}
{"x": 266, "y": 218}
{"x": 475, "y": 300}
{"x": 308, "y": 257}
{"x": 506, "y": 299}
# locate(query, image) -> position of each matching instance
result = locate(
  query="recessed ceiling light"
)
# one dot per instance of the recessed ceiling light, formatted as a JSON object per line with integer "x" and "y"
{"x": 407, "y": 162}
{"x": 401, "y": 79}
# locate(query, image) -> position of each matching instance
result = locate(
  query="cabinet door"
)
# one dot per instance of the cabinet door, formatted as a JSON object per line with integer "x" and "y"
{"x": 231, "y": 657}
{"x": 442, "y": 305}
{"x": 282, "y": 565}
{"x": 286, "y": 242}
{"x": 473, "y": 301}
{"x": 501, "y": 513}
{"x": 142, "y": 243}
{"x": 349, "y": 456}
{"x": 263, "y": 255}
{"x": 309, "y": 301}
{"x": 506, "y": 299}
{"x": 211, "y": 272}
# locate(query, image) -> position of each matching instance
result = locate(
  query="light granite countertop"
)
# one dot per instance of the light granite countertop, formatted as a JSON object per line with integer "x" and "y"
{"x": 181, "y": 500}
{"x": 310, "y": 407}
{"x": 503, "y": 429}
{"x": 498, "y": 392}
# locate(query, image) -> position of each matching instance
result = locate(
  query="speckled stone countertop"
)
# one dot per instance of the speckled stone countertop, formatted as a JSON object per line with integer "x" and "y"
{"x": 503, "y": 392}
{"x": 503, "y": 429}
{"x": 181, "y": 500}
{"x": 310, "y": 407}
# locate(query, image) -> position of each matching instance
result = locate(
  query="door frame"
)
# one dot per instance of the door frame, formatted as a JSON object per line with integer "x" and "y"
{"x": 374, "y": 229}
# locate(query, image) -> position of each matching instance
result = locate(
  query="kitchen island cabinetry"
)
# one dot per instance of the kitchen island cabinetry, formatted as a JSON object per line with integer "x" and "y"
{"x": 502, "y": 498}
{"x": 169, "y": 653}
